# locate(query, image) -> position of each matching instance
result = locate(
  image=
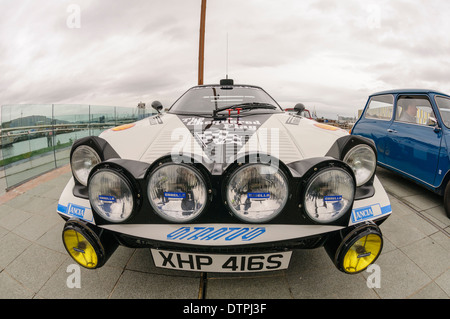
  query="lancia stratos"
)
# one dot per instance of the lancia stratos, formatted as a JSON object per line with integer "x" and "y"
{"x": 224, "y": 181}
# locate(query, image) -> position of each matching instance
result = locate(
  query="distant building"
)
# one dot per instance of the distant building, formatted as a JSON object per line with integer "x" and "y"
{"x": 141, "y": 110}
{"x": 346, "y": 119}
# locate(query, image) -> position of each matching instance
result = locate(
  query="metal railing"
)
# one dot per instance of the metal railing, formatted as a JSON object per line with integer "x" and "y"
{"x": 37, "y": 138}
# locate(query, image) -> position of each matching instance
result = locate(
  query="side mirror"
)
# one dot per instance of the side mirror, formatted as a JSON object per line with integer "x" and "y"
{"x": 157, "y": 106}
{"x": 433, "y": 122}
{"x": 299, "y": 108}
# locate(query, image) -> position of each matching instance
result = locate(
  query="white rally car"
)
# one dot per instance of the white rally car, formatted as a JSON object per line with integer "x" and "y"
{"x": 224, "y": 181}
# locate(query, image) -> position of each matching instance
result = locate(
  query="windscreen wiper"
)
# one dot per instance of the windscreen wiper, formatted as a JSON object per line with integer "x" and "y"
{"x": 246, "y": 106}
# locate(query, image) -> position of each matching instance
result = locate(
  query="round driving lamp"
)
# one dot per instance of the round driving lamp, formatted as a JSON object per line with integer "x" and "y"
{"x": 329, "y": 195}
{"x": 111, "y": 195}
{"x": 359, "y": 250}
{"x": 363, "y": 161}
{"x": 83, "y": 159}
{"x": 177, "y": 192}
{"x": 257, "y": 193}
{"x": 83, "y": 245}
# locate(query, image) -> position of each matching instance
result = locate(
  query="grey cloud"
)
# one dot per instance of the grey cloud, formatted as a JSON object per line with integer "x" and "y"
{"x": 323, "y": 52}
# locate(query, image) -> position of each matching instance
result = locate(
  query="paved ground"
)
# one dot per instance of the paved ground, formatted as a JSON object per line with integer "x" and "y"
{"x": 415, "y": 262}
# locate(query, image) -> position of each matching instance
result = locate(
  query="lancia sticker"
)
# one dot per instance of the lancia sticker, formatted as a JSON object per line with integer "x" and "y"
{"x": 75, "y": 210}
{"x": 369, "y": 212}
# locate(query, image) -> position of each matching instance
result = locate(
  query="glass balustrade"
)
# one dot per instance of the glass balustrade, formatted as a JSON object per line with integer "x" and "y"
{"x": 36, "y": 138}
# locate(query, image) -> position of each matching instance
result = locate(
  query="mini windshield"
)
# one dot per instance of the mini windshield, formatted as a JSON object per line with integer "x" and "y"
{"x": 443, "y": 104}
{"x": 210, "y": 100}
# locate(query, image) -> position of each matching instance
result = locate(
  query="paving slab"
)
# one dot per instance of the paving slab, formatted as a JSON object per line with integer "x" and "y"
{"x": 262, "y": 286}
{"x": 69, "y": 281}
{"x": 143, "y": 285}
{"x": 12, "y": 289}
{"x": 11, "y": 247}
{"x": 35, "y": 266}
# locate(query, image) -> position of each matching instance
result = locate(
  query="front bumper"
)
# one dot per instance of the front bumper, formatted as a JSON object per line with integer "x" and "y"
{"x": 351, "y": 240}
{"x": 223, "y": 238}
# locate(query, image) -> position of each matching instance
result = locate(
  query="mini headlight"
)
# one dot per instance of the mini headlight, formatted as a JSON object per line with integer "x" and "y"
{"x": 110, "y": 195}
{"x": 177, "y": 192}
{"x": 83, "y": 159}
{"x": 257, "y": 193}
{"x": 329, "y": 194}
{"x": 363, "y": 162}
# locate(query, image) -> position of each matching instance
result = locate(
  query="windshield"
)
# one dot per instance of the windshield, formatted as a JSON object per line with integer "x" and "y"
{"x": 208, "y": 99}
{"x": 443, "y": 104}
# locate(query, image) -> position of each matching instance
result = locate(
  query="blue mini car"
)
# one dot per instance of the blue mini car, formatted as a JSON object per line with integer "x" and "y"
{"x": 411, "y": 131}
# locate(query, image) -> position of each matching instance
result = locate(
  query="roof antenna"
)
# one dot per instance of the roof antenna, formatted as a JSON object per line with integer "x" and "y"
{"x": 227, "y": 83}
{"x": 227, "y": 58}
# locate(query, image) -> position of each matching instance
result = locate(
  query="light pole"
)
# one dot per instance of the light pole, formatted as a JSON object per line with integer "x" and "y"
{"x": 201, "y": 54}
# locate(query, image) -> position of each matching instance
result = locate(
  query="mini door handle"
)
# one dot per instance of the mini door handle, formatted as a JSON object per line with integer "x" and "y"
{"x": 391, "y": 131}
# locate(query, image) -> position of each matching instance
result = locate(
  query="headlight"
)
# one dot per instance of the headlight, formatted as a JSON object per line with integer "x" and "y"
{"x": 177, "y": 192}
{"x": 110, "y": 195}
{"x": 83, "y": 159}
{"x": 363, "y": 162}
{"x": 257, "y": 193}
{"x": 329, "y": 195}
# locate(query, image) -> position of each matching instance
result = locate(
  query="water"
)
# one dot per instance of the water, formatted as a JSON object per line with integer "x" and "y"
{"x": 25, "y": 168}
{"x": 34, "y": 144}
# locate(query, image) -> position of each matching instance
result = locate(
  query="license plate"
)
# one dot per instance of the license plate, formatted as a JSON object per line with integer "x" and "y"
{"x": 221, "y": 263}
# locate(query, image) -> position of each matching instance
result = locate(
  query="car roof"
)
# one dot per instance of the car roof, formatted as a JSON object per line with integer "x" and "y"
{"x": 410, "y": 91}
{"x": 222, "y": 85}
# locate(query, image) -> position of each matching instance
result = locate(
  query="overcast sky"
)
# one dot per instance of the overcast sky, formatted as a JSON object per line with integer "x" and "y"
{"x": 329, "y": 55}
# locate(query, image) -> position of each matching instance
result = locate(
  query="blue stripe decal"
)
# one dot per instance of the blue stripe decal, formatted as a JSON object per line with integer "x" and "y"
{"x": 386, "y": 209}
{"x": 62, "y": 209}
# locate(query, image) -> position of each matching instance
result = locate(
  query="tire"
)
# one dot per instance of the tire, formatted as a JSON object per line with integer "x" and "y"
{"x": 447, "y": 200}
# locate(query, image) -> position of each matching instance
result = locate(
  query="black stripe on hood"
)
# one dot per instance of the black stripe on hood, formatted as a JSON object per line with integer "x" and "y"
{"x": 222, "y": 138}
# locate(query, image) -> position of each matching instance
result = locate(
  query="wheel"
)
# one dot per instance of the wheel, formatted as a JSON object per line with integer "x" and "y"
{"x": 447, "y": 199}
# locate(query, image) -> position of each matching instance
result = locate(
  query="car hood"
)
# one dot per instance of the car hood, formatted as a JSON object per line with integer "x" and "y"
{"x": 288, "y": 138}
